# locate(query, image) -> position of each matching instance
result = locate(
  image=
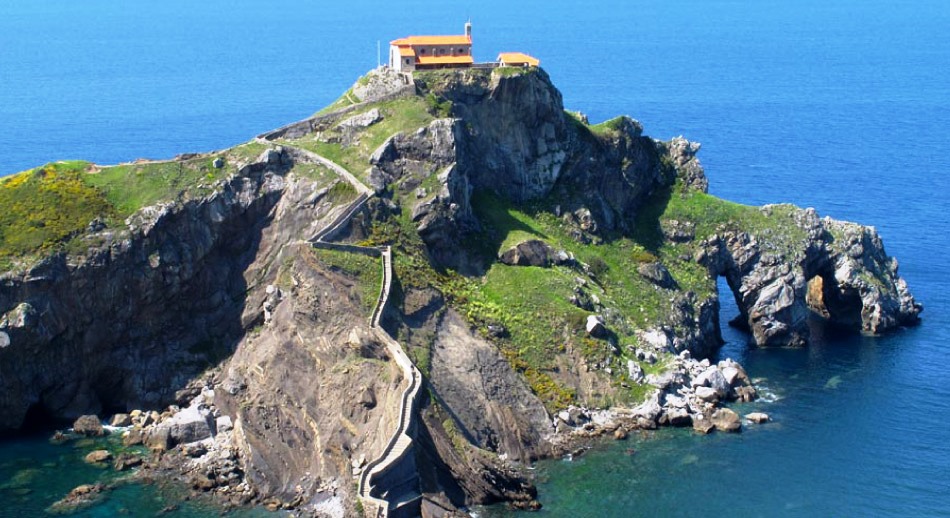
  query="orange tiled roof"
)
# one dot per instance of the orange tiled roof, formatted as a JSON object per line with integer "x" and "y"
{"x": 444, "y": 60}
{"x": 518, "y": 58}
{"x": 432, "y": 40}
{"x": 406, "y": 52}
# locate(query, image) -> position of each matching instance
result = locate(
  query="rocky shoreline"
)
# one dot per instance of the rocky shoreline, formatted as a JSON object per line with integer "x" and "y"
{"x": 190, "y": 443}
{"x": 691, "y": 393}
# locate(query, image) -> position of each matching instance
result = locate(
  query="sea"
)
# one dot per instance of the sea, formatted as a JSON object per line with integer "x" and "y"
{"x": 840, "y": 105}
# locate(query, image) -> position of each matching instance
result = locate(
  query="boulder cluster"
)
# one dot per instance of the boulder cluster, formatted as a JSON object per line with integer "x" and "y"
{"x": 194, "y": 439}
{"x": 689, "y": 393}
{"x": 202, "y": 437}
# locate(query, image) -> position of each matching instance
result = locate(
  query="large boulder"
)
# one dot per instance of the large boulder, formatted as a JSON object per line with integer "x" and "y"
{"x": 158, "y": 439}
{"x": 89, "y": 425}
{"x": 758, "y": 417}
{"x": 726, "y": 420}
{"x": 98, "y": 456}
{"x": 595, "y": 326}
{"x": 634, "y": 371}
{"x": 712, "y": 377}
{"x": 534, "y": 252}
{"x": 707, "y": 394}
{"x": 191, "y": 424}
{"x": 121, "y": 420}
{"x": 657, "y": 274}
{"x": 702, "y": 424}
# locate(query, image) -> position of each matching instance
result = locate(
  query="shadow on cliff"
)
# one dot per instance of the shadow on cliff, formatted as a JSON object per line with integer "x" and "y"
{"x": 498, "y": 222}
{"x": 131, "y": 332}
{"x": 646, "y": 224}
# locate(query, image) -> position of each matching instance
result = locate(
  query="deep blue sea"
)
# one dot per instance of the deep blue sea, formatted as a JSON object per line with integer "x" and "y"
{"x": 841, "y": 105}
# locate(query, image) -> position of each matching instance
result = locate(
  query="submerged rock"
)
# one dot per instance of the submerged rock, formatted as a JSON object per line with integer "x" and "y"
{"x": 758, "y": 417}
{"x": 79, "y": 498}
{"x": 98, "y": 456}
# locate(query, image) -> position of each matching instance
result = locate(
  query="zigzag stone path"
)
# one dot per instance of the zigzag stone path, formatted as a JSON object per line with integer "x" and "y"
{"x": 399, "y": 444}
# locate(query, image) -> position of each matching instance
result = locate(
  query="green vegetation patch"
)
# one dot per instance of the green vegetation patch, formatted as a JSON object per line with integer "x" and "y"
{"x": 399, "y": 115}
{"x": 532, "y": 304}
{"x": 45, "y": 206}
{"x": 608, "y": 126}
{"x": 775, "y": 227}
{"x": 366, "y": 271}
{"x": 129, "y": 187}
{"x": 347, "y": 99}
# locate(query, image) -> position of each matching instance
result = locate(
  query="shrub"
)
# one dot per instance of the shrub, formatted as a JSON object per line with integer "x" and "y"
{"x": 598, "y": 266}
{"x": 438, "y": 106}
{"x": 644, "y": 256}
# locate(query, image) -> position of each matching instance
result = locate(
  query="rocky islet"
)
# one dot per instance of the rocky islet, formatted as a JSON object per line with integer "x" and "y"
{"x": 215, "y": 262}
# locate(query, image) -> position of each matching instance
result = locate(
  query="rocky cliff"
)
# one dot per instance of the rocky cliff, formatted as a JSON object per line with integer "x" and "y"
{"x": 553, "y": 280}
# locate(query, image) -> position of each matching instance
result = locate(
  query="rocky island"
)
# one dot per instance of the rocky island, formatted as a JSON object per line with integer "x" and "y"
{"x": 395, "y": 305}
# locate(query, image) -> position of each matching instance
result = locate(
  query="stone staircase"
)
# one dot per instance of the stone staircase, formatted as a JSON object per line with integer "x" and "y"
{"x": 388, "y": 485}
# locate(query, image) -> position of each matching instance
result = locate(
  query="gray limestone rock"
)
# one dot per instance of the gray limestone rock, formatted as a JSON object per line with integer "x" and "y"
{"x": 189, "y": 425}
{"x": 362, "y": 120}
{"x": 713, "y": 378}
{"x": 657, "y": 274}
{"x": 634, "y": 371}
{"x": 223, "y": 424}
{"x": 596, "y": 326}
{"x": 703, "y": 424}
{"x": 707, "y": 393}
{"x": 859, "y": 285}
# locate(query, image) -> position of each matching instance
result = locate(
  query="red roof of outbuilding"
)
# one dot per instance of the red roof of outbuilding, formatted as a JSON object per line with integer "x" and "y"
{"x": 517, "y": 58}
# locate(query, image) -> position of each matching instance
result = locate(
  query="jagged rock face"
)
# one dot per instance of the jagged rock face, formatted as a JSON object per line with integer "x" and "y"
{"x": 133, "y": 320}
{"x": 859, "y": 282}
{"x": 139, "y": 316}
{"x": 683, "y": 155}
{"x": 517, "y": 135}
{"x": 520, "y": 143}
{"x": 512, "y": 136}
{"x": 444, "y": 216}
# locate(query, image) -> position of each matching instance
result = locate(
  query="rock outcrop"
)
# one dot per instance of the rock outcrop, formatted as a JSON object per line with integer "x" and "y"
{"x": 512, "y": 136}
{"x": 853, "y": 281}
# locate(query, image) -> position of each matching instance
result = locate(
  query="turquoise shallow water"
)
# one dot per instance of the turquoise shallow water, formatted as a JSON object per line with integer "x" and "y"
{"x": 35, "y": 473}
{"x": 843, "y": 106}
